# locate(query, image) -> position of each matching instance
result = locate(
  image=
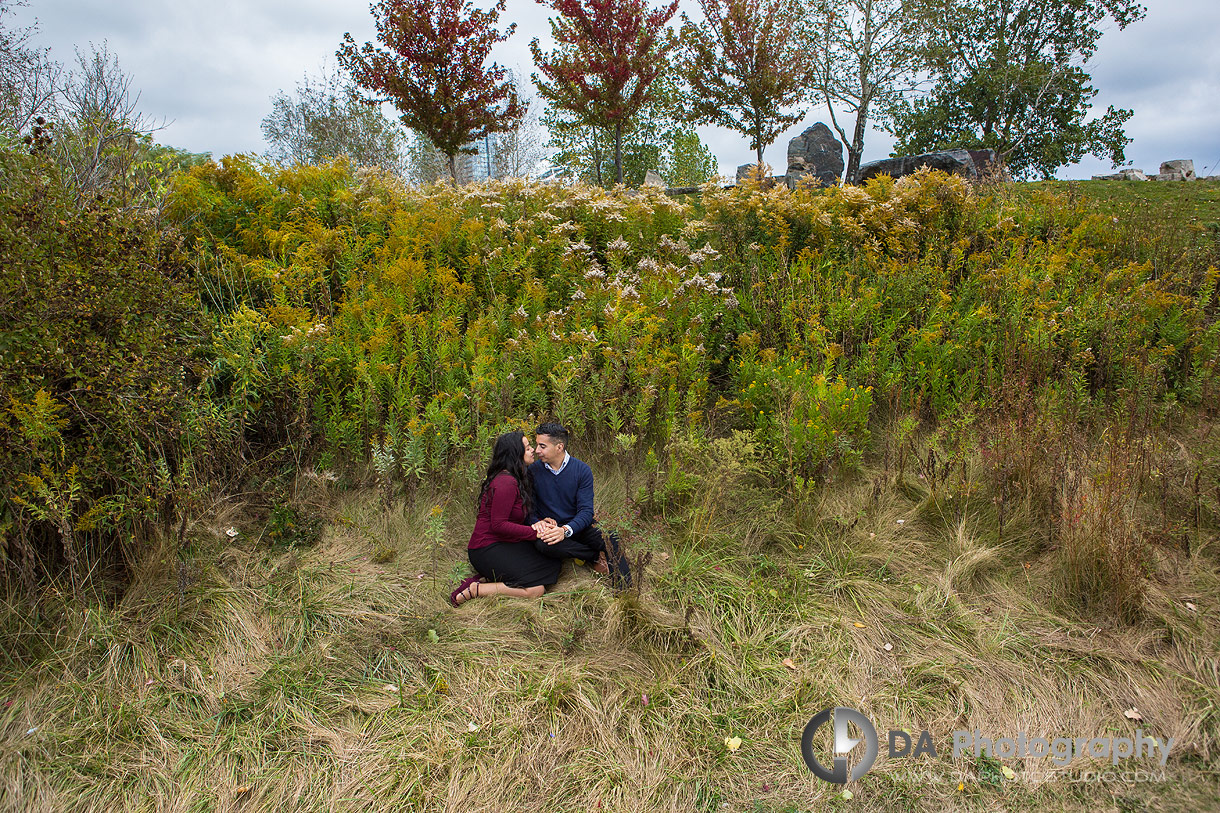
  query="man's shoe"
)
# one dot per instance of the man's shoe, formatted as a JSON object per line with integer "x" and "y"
{"x": 620, "y": 573}
{"x": 622, "y": 579}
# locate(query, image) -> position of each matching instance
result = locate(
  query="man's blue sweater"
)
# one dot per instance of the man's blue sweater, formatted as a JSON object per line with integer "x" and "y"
{"x": 566, "y": 497}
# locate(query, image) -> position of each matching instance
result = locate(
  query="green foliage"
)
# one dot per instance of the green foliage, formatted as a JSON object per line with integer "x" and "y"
{"x": 748, "y": 64}
{"x": 688, "y": 162}
{"x": 1008, "y": 76}
{"x": 289, "y": 527}
{"x": 657, "y": 138}
{"x": 417, "y": 319}
{"x": 867, "y": 55}
{"x": 940, "y": 324}
{"x": 606, "y": 59}
{"x": 424, "y": 324}
{"x": 806, "y": 419}
{"x": 432, "y": 69}
{"x": 99, "y": 361}
{"x": 326, "y": 118}
{"x": 40, "y": 423}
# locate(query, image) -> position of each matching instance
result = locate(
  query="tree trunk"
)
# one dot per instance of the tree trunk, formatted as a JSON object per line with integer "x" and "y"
{"x": 453, "y": 169}
{"x": 68, "y": 538}
{"x": 594, "y": 145}
{"x": 758, "y": 150}
{"x": 618, "y": 151}
{"x": 856, "y": 147}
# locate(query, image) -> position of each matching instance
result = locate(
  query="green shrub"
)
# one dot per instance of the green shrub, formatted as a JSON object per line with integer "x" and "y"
{"x": 101, "y": 354}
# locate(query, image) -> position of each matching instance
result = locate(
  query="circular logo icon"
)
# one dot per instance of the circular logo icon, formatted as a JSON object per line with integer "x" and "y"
{"x": 843, "y": 746}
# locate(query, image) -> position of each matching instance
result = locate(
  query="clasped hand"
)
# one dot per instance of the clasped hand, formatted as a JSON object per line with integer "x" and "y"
{"x": 548, "y": 531}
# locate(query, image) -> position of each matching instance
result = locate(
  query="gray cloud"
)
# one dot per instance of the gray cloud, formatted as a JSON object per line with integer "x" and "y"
{"x": 212, "y": 68}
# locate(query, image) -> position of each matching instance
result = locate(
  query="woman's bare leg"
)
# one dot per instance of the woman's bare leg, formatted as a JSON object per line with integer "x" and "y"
{"x": 479, "y": 589}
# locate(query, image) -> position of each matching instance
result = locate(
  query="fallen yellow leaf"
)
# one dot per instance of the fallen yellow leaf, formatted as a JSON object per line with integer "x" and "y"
{"x": 858, "y": 624}
{"x": 788, "y": 662}
{"x": 1008, "y": 772}
{"x": 732, "y": 743}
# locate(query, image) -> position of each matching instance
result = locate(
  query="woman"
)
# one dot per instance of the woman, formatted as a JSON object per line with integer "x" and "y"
{"x": 501, "y": 546}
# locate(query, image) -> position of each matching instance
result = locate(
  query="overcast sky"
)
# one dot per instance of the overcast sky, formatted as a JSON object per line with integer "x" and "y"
{"x": 210, "y": 68}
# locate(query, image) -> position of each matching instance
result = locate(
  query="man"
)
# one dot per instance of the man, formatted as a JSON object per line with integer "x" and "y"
{"x": 563, "y": 497}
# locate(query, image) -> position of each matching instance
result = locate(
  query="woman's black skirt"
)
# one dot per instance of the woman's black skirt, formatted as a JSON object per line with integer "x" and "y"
{"x": 517, "y": 564}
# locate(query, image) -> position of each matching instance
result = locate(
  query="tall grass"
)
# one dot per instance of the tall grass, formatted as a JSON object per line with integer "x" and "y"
{"x": 312, "y": 676}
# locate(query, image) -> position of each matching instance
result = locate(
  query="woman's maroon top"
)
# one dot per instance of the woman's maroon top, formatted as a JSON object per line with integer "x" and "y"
{"x": 501, "y": 515}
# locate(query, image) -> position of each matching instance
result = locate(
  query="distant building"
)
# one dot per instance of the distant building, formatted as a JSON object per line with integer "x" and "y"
{"x": 499, "y": 155}
{"x": 481, "y": 165}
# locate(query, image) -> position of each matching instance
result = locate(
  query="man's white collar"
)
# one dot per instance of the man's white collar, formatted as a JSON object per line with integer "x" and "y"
{"x": 566, "y": 458}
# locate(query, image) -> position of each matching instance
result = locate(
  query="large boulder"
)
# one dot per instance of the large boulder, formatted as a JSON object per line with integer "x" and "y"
{"x": 971, "y": 164}
{"x": 817, "y": 154}
{"x": 1124, "y": 174}
{"x": 651, "y": 178}
{"x": 1182, "y": 169}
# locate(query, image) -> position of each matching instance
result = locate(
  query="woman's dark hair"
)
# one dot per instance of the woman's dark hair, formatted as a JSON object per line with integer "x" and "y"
{"x": 508, "y": 454}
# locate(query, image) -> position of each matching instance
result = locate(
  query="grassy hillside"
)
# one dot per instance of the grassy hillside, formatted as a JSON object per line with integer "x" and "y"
{"x": 943, "y": 455}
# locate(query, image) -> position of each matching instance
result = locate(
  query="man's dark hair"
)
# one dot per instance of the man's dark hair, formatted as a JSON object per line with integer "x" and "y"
{"x": 555, "y": 430}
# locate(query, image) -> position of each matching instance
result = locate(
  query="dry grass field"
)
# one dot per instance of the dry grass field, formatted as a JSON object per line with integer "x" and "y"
{"x": 268, "y": 671}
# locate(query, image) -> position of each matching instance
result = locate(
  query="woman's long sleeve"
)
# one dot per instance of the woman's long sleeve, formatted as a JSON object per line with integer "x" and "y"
{"x": 504, "y": 493}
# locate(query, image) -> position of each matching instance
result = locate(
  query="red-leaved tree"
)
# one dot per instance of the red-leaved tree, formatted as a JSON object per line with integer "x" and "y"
{"x": 434, "y": 71}
{"x": 747, "y": 62}
{"x": 607, "y": 54}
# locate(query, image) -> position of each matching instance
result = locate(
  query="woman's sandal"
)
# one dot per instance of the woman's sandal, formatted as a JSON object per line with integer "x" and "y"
{"x": 461, "y": 588}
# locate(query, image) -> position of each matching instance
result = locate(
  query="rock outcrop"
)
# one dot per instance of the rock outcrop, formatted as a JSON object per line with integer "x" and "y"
{"x": 1182, "y": 169}
{"x": 817, "y": 154}
{"x": 971, "y": 164}
{"x": 1125, "y": 174}
{"x": 653, "y": 179}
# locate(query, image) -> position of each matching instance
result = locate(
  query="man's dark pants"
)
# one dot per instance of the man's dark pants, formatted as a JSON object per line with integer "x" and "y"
{"x": 587, "y": 545}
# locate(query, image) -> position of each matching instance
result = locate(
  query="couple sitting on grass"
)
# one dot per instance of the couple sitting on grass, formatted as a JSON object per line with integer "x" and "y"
{"x": 535, "y": 510}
